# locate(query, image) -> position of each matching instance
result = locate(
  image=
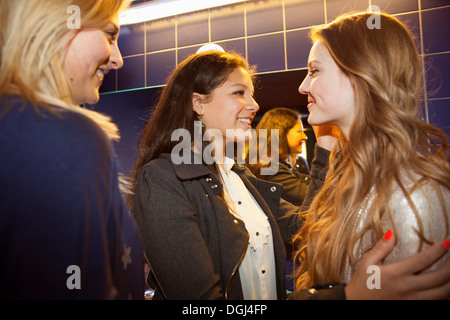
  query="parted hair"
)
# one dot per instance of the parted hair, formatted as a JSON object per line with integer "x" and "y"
{"x": 387, "y": 139}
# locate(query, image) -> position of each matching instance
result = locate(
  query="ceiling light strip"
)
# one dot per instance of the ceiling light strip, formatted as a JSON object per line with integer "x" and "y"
{"x": 167, "y": 8}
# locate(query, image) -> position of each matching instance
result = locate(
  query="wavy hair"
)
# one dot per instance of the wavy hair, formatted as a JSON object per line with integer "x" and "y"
{"x": 281, "y": 119}
{"x": 34, "y": 38}
{"x": 386, "y": 140}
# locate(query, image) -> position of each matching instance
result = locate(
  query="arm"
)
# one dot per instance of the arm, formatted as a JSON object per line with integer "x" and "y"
{"x": 295, "y": 185}
{"x": 405, "y": 279}
{"x": 319, "y": 168}
{"x": 174, "y": 245}
{"x": 429, "y": 217}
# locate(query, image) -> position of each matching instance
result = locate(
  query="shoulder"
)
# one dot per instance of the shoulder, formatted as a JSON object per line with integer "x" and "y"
{"x": 68, "y": 129}
{"x": 286, "y": 175}
{"x": 191, "y": 169}
{"x": 157, "y": 169}
{"x": 421, "y": 213}
{"x": 428, "y": 197}
{"x": 63, "y": 147}
{"x": 163, "y": 170}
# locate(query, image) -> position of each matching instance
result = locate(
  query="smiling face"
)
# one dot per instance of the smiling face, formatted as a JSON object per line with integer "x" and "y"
{"x": 230, "y": 106}
{"x": 91, "y": 54}
{"x": 331, "y": 96}
{"x": 295, "y": 138}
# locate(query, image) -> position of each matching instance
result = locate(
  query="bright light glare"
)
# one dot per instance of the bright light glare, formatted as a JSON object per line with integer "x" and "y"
{"x": 167, "y": 8}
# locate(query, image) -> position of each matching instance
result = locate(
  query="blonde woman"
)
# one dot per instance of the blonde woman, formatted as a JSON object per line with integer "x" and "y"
{"x": 389, "y": 171}
{"x": 65, "y": 232}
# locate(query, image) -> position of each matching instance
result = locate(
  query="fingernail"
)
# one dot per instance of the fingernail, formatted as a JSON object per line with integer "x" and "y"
{"x": 446, "y": 244}
{"x": 388, "y": 235}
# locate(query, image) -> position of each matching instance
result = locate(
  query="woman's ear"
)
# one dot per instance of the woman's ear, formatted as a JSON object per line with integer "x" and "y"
{"x": 197, "y": 103}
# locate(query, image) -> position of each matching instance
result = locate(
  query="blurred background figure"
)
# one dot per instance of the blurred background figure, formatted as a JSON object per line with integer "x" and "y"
{"x": 291, "y": 163}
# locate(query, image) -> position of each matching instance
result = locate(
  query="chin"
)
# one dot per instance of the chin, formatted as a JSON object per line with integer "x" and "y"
{"x": 93, "y": 100}
{"x": 314, "y": 122}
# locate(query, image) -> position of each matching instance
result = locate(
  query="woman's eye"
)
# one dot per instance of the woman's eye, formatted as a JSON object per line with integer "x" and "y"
{"x": 313, "y": 71}
{"x": 240, "y": 92}
{"x": 111, "y": 36}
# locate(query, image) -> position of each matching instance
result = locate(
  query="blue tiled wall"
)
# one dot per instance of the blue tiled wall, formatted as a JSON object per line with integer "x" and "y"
{"x": 273, "y": 34}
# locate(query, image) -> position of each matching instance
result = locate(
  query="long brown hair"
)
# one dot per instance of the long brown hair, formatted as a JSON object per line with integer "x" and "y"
{"x": 200, "y": 73}
{"x": 281, "y": 119}
{"x": 387, "y": 140}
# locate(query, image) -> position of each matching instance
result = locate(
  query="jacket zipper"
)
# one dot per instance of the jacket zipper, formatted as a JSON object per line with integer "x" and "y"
{"x": 236, "y": 267}
{"x": 158, "y": 284}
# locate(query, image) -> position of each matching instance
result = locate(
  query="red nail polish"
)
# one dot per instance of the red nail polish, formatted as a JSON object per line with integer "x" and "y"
{"x": 388, "y": 235}
{"x": 446, "y": 244}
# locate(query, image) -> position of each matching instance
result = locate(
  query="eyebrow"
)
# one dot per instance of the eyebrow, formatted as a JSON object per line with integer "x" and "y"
{"x": 238, "y": 84}
{"x": 311, "y": 62}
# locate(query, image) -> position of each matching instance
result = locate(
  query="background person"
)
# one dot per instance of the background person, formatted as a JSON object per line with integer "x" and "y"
{"x": 291, "y": 138}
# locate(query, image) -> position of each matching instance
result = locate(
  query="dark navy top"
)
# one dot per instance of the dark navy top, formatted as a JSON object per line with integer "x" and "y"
{"x": 65, "y": 232}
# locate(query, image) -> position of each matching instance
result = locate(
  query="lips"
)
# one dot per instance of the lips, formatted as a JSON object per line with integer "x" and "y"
{"x": 100, "y": 73}
{"x": 246, "y": 121}
{"x": 311, "y": 102}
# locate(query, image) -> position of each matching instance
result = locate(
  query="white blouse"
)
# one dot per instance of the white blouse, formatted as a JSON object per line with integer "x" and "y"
{"x": 257, "y": 270}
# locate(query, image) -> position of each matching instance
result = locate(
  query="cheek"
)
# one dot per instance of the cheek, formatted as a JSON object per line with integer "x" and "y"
{"x": 76, "y": 64}
{"x": 290, "y": 141}
{"x": 350, "y": 93}
{"x": 84, "y": 62}
{"x": 226, "y": 113}
{"x": 103, "y": 51}
{"x": 214, "y": 117}
{"x": 345, "y": 95}
{"x": 328, "y": 94}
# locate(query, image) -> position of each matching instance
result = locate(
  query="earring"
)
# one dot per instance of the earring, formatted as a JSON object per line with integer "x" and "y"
{"x": 200, "y": 116}
{"x": 199, "y": 119}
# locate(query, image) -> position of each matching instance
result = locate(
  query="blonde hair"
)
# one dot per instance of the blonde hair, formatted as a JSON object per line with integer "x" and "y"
{"x": 34, "y": 37}
{"x": 386, "y": 140}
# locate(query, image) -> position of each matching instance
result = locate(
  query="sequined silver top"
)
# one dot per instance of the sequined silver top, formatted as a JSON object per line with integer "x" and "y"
{"x": 435, "y": 223}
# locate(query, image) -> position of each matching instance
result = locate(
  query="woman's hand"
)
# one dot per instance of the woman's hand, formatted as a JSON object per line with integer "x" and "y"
{"x": 403, "y": 279}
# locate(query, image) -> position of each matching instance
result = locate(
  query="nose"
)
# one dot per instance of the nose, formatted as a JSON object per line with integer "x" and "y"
{"x": 252, "y": 105}
{"x": 304, "y": 136}
{"x": 115, "y": 59}
{"x": 304, "y": 86}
